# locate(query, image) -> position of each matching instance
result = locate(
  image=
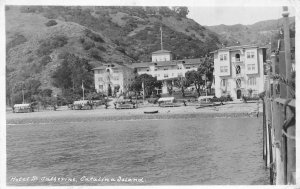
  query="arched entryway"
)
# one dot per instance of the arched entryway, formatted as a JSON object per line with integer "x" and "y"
{"x": 238, "y": 94}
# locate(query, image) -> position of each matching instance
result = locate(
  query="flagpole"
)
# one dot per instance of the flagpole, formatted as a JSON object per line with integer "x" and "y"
{"x": 82, "y": 89}
{"x": 23, "y": 94}
{"x": 143, "y": 85}
{"x": 161, "y": 43}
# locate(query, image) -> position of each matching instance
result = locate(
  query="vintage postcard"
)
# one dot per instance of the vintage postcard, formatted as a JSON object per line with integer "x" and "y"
{"x": 141, "y": 94}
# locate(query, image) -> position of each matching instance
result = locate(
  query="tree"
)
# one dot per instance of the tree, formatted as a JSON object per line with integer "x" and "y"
{"x": 182, "y": 83}
{"x": 181, "y": 11}
{"x": 71, "y": 73}
{"x": 150, "y": 83}
{"x": 206, "y": 69}
{"x": 195, "y": 77}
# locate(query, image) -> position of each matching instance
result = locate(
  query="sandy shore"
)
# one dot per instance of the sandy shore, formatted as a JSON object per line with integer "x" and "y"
{"x": 101, "y": 114}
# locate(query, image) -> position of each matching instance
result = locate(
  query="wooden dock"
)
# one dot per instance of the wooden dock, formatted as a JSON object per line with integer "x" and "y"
{"x": 279, "y": 115}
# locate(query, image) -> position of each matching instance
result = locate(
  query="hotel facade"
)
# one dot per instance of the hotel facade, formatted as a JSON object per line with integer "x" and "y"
{"x": 114, "y": 76}
{"x": 165, "y": 69}
{"x": 239, "y": 71}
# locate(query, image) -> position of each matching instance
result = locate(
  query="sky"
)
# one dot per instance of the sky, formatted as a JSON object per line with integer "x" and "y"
{"x": 210, "y": 16}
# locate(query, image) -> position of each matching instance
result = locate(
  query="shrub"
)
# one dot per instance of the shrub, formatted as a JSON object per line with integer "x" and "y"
{"x": 45, "y": 60}
{"x": 47, "y": 46}
{"x": 30, "y": 59}
{"x": 63, "y": 55}
{"x": 50, "y": 15}
{"x": 51, "y": 23}
{"x": 81, "y": 40}
{"x": 93, "y": 36}
{"x": 31, "y": 9}
{"x": 87, "y": 45}
{"x": 101, "y": 48}
{"x": 95, "y": 54}
{"x": 121, "y": 49}
{"x": 18, "y": 40}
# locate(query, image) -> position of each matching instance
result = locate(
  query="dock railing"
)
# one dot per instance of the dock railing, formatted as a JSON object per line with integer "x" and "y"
{"x": 279, "y": 140}
{"x": 279, "y": 114}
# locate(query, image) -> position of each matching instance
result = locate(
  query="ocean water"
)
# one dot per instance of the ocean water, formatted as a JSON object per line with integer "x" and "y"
{"x": 210, "y": 151}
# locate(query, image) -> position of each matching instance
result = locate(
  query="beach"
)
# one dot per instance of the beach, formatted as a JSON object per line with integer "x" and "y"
{"x": 62, "y": 114}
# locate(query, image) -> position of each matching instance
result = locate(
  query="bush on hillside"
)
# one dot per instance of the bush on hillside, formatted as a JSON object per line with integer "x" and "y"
{"x": 30, "y": 59}
{"x": 95, "y": 54}
{"x": 93, "y": 36}
{"x": 101, "y": 48}
{"x": 31, "y": 9}
{"x": 87, "y": 45}
{"x": 47, "y": 46}
{"x": 51, "y": 23}
{"x": 18, "y": 40}
{"x": 45, "y": 60}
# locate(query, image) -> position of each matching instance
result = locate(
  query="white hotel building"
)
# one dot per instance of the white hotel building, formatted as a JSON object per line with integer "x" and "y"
{"x": 239, "y": 70}
{"x": 165, "y": 68}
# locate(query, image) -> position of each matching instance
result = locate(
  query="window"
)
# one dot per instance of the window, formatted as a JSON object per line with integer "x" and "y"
{"x": 155, "y": 69}
{"x": 172, "y": 74}
{"x": 252, "y": 81}
{"x": 237, "y": 57}
{"x": 238, "y": 83}
{"x": 250, "y": 55}
{"x": 238, "y": 69}
{"x": 101, "y": 87}
{"x": 165, "y": 68}
{"x": 223, "y": 83}
{"x": 147, "y": 70}
{"x": 188, "y": 68}
{"x": 100, "y": 78}
{"x": 166, "y": 75}
{"x": 223, "y": 57}
{"x": 251, "y": 67}
{"x": 179, "y": 74}
{"x": 223, "y": 69}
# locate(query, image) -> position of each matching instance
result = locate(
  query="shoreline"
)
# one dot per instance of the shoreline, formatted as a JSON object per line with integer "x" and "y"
{"x": 101, "y": 114}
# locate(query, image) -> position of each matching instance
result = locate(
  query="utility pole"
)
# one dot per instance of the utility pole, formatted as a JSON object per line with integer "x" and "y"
{"x": 287, "y": 48}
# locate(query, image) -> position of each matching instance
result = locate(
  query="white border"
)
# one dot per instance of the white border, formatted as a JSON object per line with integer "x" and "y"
{"x": 190, "y": 3}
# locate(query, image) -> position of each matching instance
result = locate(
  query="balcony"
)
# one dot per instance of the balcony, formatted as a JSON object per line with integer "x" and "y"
{"x": 238, "y": 61}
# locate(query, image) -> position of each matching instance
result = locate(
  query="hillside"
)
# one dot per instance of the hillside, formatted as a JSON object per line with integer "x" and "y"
{"x": 40, "y": 38}
{"x": 259, "y": 33}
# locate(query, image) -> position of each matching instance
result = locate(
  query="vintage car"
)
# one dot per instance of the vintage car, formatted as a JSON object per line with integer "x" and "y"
{"x": 22, "y": 108}
{"x": 82, "y": 105}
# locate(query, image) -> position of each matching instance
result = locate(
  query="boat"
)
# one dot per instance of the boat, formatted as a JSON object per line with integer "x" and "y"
{"x": 22, "y": 108}
{"x": 167, "y": 102}
{"x": 151, "y": 112}
{"x": 125, "y": 104}
{"x": 205, "y": 101}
